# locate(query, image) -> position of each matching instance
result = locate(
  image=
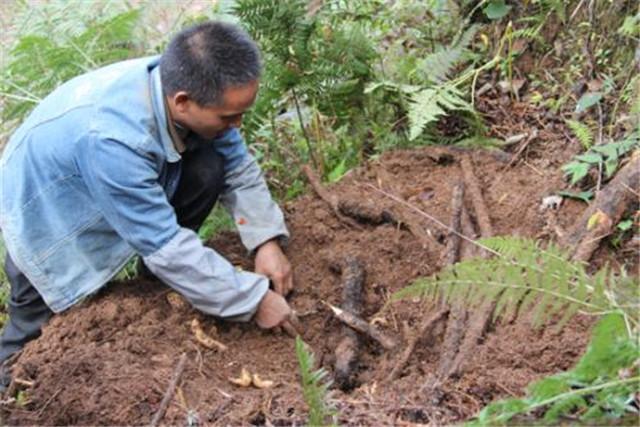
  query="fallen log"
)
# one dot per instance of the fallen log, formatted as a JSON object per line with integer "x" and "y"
{"x": 606, "y": 211}
{"x": 363, "y": 327}
{"x": 353, "y": 276}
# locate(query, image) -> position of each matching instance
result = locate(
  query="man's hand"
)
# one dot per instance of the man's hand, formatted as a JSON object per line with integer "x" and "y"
{"x": 273, "y": 311}
{"x": 271, "y": 262}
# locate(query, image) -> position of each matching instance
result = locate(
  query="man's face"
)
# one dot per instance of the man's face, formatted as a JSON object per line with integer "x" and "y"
{"x": 211, "y": 121}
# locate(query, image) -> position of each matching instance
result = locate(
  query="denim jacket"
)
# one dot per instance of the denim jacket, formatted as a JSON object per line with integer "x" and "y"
{"x": 85, "y": 184}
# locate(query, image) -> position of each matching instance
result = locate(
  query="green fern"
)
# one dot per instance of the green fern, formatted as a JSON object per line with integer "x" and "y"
{"x": 314, "y": 387}
{"x": 437, "y": 66}
{"x": 524, "y": 278}
{"x": 38, "y": 63}
{"x": 582, "y": 132}
{"x": 607, "y": 156}
{"x": 593, "y": 390}
{"x": 432, "y": 103}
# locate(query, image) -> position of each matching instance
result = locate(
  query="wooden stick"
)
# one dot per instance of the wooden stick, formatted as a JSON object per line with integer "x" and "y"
{"x": 168, "y": 395}
{"x": 426, "y": 325}
{"x": 362, "y": 326}
{"x": 533, "y": 135}
{"x": 353, "y": 276}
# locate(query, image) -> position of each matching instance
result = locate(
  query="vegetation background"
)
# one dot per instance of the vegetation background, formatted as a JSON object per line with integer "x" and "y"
{"x": 346, "y": 80}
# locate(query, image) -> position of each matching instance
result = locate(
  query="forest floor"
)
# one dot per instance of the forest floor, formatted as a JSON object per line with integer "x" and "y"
{"x": 110, "y": 360}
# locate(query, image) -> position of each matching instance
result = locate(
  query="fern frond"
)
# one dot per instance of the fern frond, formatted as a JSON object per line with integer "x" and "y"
{"x": 541, "y": 281}
{"x": 430, "y": 104}
{"x": 314, "y": 386}
{"x": 437, "y": 65}
{"x": 582, "y": 132}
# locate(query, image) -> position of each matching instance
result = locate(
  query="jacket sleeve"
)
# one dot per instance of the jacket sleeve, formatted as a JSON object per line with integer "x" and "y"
{"x": 246, "y": 196}
{"x": 125, "y": 185}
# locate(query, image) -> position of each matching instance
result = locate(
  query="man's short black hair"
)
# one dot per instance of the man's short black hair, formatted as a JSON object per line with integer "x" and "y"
{"x": 208, "y": 58}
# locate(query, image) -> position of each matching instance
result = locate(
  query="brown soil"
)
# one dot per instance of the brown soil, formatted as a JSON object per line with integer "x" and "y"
{"x": 110, "y": 360}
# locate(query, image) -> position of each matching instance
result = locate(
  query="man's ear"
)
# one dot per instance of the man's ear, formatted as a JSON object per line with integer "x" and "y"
{"x": 181, "y": 101}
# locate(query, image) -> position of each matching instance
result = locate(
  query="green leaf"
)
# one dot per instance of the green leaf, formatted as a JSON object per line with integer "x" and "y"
{"x": 609, "y": 150}
{"x": 337, "y": 172}
{"x": 496, "y": 9}
{"x": 585, "y": 196}
{"x": 610, "y": 167}
{"x": 576, "y": 170}
{"x": 587, "y": 101}
{"x": 625, "y": 225}
{"x": 593, "y": 158}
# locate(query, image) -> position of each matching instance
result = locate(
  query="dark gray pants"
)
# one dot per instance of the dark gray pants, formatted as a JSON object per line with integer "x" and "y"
{"x": 201, "y": 182}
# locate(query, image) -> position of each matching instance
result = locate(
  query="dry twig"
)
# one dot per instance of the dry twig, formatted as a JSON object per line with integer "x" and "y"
{"x": 168, "y": 395}
{"x": 362, "y": 326}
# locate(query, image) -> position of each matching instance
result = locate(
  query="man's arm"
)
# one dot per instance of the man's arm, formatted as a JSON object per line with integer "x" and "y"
{"x": 258, "y": 218}
{"x": 135, "y": 205}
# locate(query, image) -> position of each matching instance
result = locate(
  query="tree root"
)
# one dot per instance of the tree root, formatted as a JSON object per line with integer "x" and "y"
{"x": 426, "y": 326}
{"x": 473, "y": 186}
{"x": 353, "y": 276}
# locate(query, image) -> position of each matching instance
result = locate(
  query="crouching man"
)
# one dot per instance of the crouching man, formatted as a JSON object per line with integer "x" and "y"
{"x": 129, "y": 160}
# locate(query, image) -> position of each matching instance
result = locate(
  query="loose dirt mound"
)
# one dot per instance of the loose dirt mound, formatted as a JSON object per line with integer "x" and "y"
{"x": 109, "y": 361}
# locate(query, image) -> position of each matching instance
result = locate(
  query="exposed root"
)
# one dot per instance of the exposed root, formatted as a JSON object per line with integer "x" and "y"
{"x": 473, "y": 187}
{"x": 453, "y": 241}
{"x": 456, "y": 327}
{"x": 331, "y": 199}
{"x": 353, "y": 276}
{"x": 425, "y": 327}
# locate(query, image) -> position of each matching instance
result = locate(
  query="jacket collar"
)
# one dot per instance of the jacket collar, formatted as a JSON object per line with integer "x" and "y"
{"x": 169, "y": 137}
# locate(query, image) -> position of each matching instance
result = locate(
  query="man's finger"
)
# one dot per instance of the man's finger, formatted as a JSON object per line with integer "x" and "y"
{"x": 289, "y": 283}
{"x": 290, "y": 329}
